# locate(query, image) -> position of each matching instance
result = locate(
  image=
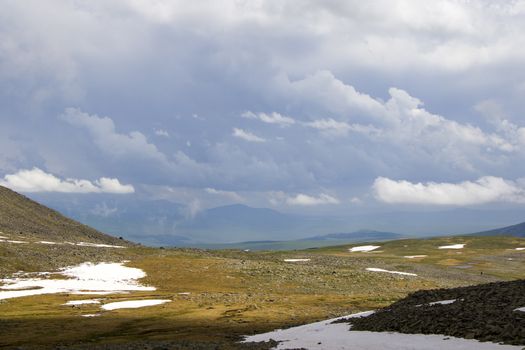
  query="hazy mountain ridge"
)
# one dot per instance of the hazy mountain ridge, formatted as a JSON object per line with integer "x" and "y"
{"x": 517, "y": 230}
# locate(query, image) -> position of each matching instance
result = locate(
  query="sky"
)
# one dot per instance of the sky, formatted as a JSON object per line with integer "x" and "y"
{"x": 303, "y": 106}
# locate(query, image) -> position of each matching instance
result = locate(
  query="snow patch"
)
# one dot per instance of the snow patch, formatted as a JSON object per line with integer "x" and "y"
{"x": 415, "y": 256}
{"x": 133, "y": 304}
{"x": 88, "y": 244}
{"x": 86, "y": 278}
{"x": 90, "y": 315}
{"x": 47, "y": 242}
{"x": 520, "y": 248}
{"x": 296, "y": 260}
{"x": 364, "y": 248}
{"x": 443, "y": 302}
{"x": 375, "y": 269}
{"x": 522, "y": 309}
{"x": 82, "y": 302}
{"x": 452, "y": 246}
{"x": 327, "y": 335}
{"x": 13, "y": 241}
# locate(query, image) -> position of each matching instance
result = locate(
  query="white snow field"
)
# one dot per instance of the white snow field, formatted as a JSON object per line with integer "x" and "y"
{"x": 364, "y": 248}
{"x": 296, "y": 260}
{"x": 375, "y": 269}
{"x": 133, "y": 304}
{"x": 415, "y": 256}
{"x": 86, "y": 278}
{"x": 453, "y": 246}
{"x": 325, "y": 335}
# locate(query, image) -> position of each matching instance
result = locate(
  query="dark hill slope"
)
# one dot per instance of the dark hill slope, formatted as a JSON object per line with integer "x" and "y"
{"x": 26, "y": 219}
{"x": 514, "y": 230}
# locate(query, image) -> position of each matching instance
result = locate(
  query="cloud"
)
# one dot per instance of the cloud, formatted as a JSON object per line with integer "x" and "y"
{"x": 36, "y": 180}
{"x": 330, "y": 125}
{"x": 307, "y": 200}
{"x": 271, "y": 118}
{"x": 108, "y": 140}
{"x": 228, "y": 194}
{"x": 486, "y": 189}
{"x": 161, "y": 132}
{"x": 247, "y": 136}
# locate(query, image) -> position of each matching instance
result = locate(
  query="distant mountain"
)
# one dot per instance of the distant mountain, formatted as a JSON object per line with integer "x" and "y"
{"x": 514, "y": 230}
{"x": 163, "y": 222}
{"x": 24, "y": 218}
{"x": 361, "y": 235}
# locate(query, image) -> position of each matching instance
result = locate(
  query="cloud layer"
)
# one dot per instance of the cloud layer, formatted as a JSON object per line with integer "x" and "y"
{"x": 36, "y": 180}
{"x": 306, "y": 99}
{"x": 485, "y": 190}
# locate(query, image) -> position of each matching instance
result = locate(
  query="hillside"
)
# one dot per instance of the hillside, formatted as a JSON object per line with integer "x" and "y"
{"x": 27, "y": 219}
{"x": 34, "y": 237}
{"x": 514, "y": 230}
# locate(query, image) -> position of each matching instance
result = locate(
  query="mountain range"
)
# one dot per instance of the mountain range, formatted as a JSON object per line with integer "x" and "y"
{"x": 166, "y": 223}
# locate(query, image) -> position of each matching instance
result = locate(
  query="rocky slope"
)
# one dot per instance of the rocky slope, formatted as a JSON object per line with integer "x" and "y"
{"x": 485, "y": 312}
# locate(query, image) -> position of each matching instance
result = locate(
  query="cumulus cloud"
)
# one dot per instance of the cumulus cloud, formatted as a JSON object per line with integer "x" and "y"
{"x": 307, "y": 200}
{"x": 108, "y": 140}
{"x": 247, "y": 136}
{"x": 330, "y": 125}
{"x": 228, "y": 194}
{"x": 37, "y": 180}
{"x": 486, "y": 189}
{"x": 271, "y": 118}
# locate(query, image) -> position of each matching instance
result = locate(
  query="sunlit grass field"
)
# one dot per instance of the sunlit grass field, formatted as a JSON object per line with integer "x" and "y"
{"x": 218, "y": 296}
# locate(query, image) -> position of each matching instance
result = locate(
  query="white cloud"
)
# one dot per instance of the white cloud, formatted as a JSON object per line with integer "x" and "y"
{"x": 330, "y": 125}
{"x": 272, "y": 118}
{"x": 36, "y": 180}
{"x": 486, "y": 189}
{"x": 107, "y": 139}
{"x": 161, "y": 132}
{"x": 246, "y": 135}
{"x": 228, "y": 194}
{"x": 306, "y": 200}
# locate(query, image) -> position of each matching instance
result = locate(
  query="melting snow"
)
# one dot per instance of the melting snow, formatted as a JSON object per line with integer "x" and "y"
{"x": 375, "y": 269}
{"x": 87, "y": 244}
{"x": 90, "y": 315}
{"x": 452, "y": 246}
{"x": 296, "y": 260}
{"x": 12, "y": 241}
{"x": 520, "y": 309}
{"x": 82, "y": 302}
{"x": 415, "y": 256}
{"x": 326, "y": 335}
{"x": 364, "y": 248}
{"x": 443, "y": 302}
{"x": 86, "y": 278}
{"x": 133, "y": 304}
{"x": 47, "y": 242}
{"x": 520, "y": 248}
